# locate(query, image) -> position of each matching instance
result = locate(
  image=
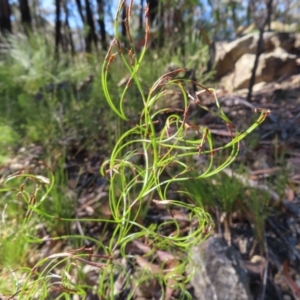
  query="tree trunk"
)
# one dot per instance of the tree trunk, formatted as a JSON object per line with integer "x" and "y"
{"x": 79, "y": 6}
{"x": 123, "y": 26}
{"x": 102, "y": 24}
{"x": 153, "y": 10}
{"x": 141, "y": 14}
{"x": 88, "y": 46}
{"x": 25, "y": 15}
{"x": 68, "y": 29}
{"x": 5, "y": 22}
{"x": 91, "y": 36}
{"x": 57, "y": 28}
{"x": 259, "y": 46}
{"x": 161, "y": 33}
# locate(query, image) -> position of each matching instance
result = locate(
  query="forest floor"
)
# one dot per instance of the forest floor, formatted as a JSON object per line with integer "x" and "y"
{"x": 270, "y": 245}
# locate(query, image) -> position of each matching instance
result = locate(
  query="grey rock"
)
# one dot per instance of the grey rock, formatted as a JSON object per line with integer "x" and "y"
{"x": 218, "y": 272}
{"x": 271, "y": 66}
{"x": 234, "y": 60}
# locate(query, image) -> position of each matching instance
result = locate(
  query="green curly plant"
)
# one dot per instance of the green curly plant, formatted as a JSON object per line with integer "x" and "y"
{"x": 167, "y": 159}
{"x": 132, "y": 186}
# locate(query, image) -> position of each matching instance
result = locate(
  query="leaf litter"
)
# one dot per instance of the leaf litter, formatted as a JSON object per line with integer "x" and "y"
{"x": 270, "y": 249}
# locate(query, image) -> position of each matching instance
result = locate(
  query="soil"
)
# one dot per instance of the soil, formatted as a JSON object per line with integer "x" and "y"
{"x": 271, "y": 257}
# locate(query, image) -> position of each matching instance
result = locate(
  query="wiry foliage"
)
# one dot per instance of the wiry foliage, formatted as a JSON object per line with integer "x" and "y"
{"x": 144, "y": 168}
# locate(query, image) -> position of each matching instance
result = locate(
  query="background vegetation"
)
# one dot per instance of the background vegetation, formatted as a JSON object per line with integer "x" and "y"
{"x": 55, "y": 120}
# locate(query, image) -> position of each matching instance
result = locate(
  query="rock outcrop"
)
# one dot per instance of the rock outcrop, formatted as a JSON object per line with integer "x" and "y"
{"x": 219, "y": 273}
{"x": 234, "y": 60}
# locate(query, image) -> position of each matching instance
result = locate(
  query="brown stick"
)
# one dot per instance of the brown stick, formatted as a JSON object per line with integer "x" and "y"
{"x": 259, "y": 48}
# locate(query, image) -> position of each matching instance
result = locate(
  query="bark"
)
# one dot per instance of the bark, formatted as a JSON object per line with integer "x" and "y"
{"x": 141, "y": 14}
{"x": 79, "y": 6}
{"x": 102, "y": 24}
{"x": 123, "y": 30}
{"x": 5, "y": 12}
{"x": 161, "y": 33}
{"x": 68, "y": 29}
{"x": 153, "y": 10}
{"x": 88, "y": 45}
{"x": 25, "y": 14}
{"x": 259, "y": 47}
{"x": 57, "y": 27}
{"x": 91, "y": 35}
